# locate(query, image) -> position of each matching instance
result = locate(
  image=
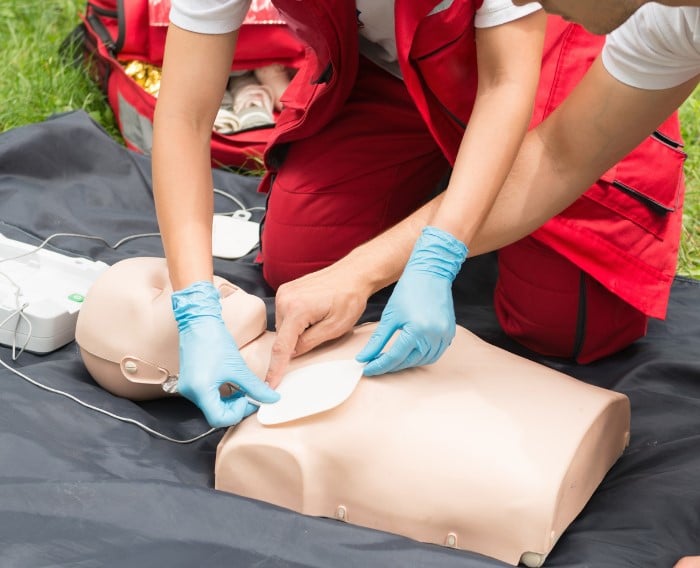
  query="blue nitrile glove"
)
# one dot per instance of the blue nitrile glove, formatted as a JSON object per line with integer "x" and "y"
{"x": 209, "y": 358}
{"x": 420, "y": 306}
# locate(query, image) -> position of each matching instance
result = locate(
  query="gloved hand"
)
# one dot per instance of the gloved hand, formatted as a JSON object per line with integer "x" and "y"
{"x": 420, "y": 306}
{"x": 209, "y": 358}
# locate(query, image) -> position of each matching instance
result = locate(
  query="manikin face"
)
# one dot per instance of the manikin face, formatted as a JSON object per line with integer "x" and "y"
{"x": 597, "y": 16}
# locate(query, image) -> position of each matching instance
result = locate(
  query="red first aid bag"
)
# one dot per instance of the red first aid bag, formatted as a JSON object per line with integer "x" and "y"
{"x": 123, "y": 41}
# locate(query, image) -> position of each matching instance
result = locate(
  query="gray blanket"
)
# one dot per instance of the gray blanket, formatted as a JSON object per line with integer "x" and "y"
{"x": 80, "y": 489}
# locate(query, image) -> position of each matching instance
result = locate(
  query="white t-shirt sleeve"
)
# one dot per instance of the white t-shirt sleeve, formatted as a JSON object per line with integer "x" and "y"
{"x": 497, "y": 12}
{"x": 657, "y": 48}
{"x": 209, "y": 16}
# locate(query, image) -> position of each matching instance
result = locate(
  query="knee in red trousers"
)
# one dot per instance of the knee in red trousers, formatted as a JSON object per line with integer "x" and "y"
{"x": 551, "y": 306}
{"x": 363, "y": 172}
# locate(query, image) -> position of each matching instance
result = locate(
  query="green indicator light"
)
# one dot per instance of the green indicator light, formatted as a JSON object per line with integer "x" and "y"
{"x": 76, "y": 297}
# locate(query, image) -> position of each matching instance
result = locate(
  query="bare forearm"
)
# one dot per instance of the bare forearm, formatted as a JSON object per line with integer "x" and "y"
{"x": 485, "y": 157}
{"x": 509, "y": 59}
{"x": 598, "y": 125}
{"x": 501, "y": 113}
{"x": 195, "y": 70}
{"x": 184, "y": 200}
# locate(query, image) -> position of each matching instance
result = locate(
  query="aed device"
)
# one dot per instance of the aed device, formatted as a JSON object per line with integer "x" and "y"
{"x": 41, "y": 293}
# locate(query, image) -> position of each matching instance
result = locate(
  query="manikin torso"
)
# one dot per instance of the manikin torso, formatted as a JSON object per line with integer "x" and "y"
{"x": 483, "y": 450}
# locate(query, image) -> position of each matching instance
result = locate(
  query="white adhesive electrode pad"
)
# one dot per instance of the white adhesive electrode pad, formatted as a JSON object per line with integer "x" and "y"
{"x": 312, "y": 389}
{"x": 48, "y": 289}
{"x": 233, "y": 237}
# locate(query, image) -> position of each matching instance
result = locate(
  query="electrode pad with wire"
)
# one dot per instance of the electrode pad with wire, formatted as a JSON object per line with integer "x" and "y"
{"x": 234, "y": 234}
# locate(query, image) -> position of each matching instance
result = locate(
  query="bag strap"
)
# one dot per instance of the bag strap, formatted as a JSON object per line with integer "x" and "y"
{"x": 94, "y": 13}
{"x": 121, "y": 23}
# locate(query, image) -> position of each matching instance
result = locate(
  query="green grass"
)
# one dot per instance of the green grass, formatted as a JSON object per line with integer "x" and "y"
{"x": 689, "y": 256}
{"x": 36, "y": 83}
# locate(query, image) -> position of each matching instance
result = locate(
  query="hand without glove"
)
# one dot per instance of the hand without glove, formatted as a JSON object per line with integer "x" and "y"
{"x": 210, "y": 358}
{"x": 420, "y": 306}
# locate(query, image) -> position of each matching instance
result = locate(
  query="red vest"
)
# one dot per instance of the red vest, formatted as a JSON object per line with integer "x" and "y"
{"x": 444, "y": 92}
{"x": 624, "y": 231}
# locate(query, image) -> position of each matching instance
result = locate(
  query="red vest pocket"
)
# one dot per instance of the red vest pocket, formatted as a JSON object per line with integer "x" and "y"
{"x": 646, "y": 185}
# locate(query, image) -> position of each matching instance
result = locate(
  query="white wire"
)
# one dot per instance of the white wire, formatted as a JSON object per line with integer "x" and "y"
{"x": 93, "y": 237}
{"x": 241, "y": 205}
{"x": 19, "y": 310}
{"x": 136, "y": 423}
{"x": 237, "y": 210}
{"x": 120, "y": 242}
{"x": 22, "y": 316}
{"x": 232, "y": 198}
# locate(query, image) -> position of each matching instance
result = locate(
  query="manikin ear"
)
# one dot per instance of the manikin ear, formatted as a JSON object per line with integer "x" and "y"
{"x": 245, "y": 315}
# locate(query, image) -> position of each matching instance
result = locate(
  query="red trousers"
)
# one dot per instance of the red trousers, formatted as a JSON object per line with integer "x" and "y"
{"x": 551, "y": 306}
{"x": 373, "y": 165}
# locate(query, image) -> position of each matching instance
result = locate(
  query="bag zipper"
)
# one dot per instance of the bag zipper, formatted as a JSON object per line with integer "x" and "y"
{"x": 581, "y": 317}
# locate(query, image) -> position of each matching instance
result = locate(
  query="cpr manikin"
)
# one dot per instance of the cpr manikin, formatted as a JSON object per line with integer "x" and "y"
{"x": 482, "y": 451}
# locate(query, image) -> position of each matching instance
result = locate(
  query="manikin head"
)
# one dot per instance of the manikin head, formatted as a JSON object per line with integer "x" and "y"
{"x": 600, "y": 16}
{"x": 128, "y": 336}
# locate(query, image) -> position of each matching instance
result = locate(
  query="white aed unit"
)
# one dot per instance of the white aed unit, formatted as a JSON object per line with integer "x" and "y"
{"x": 41, "y": 292}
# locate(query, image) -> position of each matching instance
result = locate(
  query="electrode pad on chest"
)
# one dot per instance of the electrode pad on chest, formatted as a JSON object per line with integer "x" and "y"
{"x": 483, "y": 450}
{"x": 312, "y": 389}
